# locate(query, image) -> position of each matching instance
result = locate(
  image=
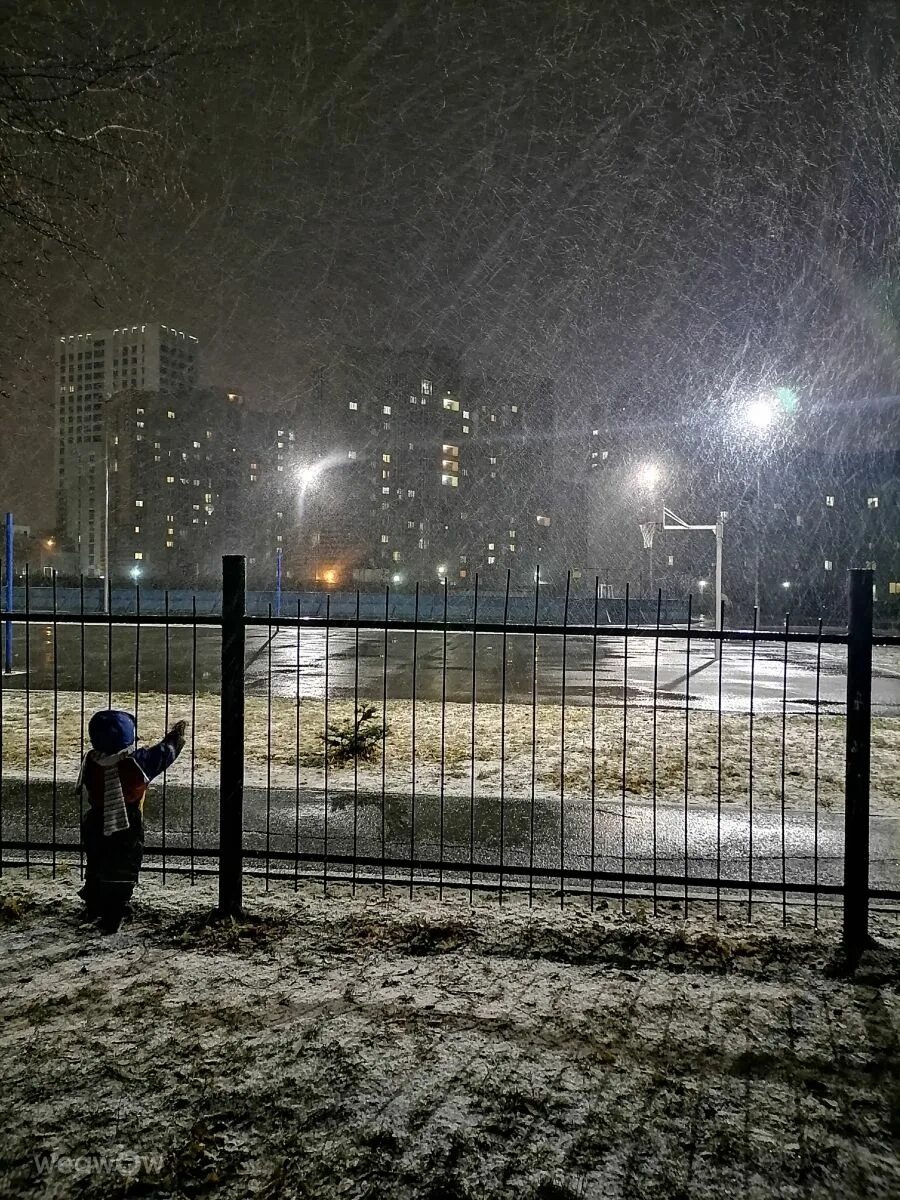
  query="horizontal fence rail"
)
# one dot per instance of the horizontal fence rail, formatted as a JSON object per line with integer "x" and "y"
{"x": 399, "y": 745}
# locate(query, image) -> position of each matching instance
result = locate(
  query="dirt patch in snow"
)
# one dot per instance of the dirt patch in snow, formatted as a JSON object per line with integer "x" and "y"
{"x": 331, "y": 1046}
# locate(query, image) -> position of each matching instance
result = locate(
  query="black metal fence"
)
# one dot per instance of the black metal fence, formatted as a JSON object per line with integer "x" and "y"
{"x": 571, "y": 757}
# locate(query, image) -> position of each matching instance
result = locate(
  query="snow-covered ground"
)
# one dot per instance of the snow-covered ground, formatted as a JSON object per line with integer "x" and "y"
{"x": 366, "y": 1047}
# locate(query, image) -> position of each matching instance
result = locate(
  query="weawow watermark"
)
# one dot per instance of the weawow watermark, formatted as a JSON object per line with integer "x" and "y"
{"x": 115, "y": 1161}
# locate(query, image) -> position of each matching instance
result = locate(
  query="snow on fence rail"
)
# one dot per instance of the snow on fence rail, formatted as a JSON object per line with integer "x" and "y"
{"x": 668, "y": 763}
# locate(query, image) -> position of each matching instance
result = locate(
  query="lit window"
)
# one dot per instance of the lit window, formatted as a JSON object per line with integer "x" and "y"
{"x": 353, "y": 406}
{"x": 410, "y": 493}
{"x": 139, "y": 424}
{"x": 386, "y": 409}
{"x": 463, "y": 573}
{"x": 253, "y": 478}
{"x": 170, "y": 415}
{"x": 515, "y": 407}
{"x": 138, "y": 554}
{"x": 829, "y": 565}
{"x": 671, "y": 560}
{"x": 894, "y": 588}
{"x": 465, "y": 415}
{"x": 493, "y": 417}
{"x": 512, "y": 533}
{"x": 386, "y": 458}
{"x": 396, "y": 556}
{"x": 829, "y": 501}
{"x": 493, "y": 460}
{"x": 872, "y": 502}
{"x": 490, "y": 545}
{"x": 196, "y": 445}
{"x": 491, "y": 559}
{"x": 543, "y": 520}
{"x": 450, "y": 451}
{"x": 386, "y": 491}
{"x": 410, "y": 524}
{"x": 426, "y": 387}
{"x": 170, "y": 479}
{"x": 512, "y": 547}
{"x": 351, "y": 454}
{"x": 169, "y": 544}
{"x": 465, "y": 429}
{"x": 137, "y": 529}
{"x": 449, "y": 481}
{"x": 385, "y": 539}
{"x": 207, "y": 496}
{"x": 138, "y": 504}
{"x": 450, "y": 404}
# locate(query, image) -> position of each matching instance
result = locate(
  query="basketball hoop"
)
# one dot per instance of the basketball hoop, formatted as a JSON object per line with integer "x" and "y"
{"x": 648, "y": 529}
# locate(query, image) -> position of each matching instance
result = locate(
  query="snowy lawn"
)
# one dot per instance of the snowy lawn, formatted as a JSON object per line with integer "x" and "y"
{"x": 525, "y": 745}
{"x": 371, "y": 1047}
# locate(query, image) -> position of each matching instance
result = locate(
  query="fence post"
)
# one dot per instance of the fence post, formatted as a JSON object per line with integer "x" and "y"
{"x": 858, "y": 743}
{"x": 231, "y": 768}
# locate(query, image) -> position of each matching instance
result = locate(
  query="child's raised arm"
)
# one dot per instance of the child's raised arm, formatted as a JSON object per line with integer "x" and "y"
{"x": 153, "y": 760}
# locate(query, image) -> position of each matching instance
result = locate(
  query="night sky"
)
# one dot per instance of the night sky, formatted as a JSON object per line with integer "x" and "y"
{"x": 663, "y": 206}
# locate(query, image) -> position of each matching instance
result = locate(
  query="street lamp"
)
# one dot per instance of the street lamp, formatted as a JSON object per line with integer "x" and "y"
{"x": 135, "y": 573}
{"x": 649, "y": 475}
{"x": 760, "y": 414}
{"x": 307, "y": 476}
{"x": 786, "y": 584}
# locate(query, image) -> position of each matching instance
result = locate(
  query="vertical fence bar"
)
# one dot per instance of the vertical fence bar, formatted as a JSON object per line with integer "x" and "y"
{"x": 107, "y": 589}
{"x": 443, "y": 743}
{"x": 384, "y": 725}
{"x": 750, "y": 767}
{"x": 412, "y": 781}
{"x": 721, "y": 643}
{"x": 687, "y": 744}
{"x": 594, "y": 738}
{"x": 269, "y": 636}
{"x": 231, "y": 768}
{"x": 534, "y": 658}
{"x": 356, "y": 722}
{"x": 816, "y": 780}
{"x": 81, "y": 718}
{"x": 325, "y": 741}
{"x": 472, "y": 773}
{"x": 27, "y": 724}
{"x": 562, "y": 748}
{"x": 625, "y": 732}
{"x": 503, "y": 646}
{"x": 55, "y": 798}
{"x": 297, "y": 759}
{"x": 857, "y": 756}
{"x": 165, "y": 780}
{"x": 655, "y": 750}
{"x": 193, "y": 722}
{"x": 784, "y": 682}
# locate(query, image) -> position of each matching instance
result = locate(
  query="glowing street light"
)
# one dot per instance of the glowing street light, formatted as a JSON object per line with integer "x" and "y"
{"x": 649, "y": 475}
{"x": 760, "y": 414}
{"x": 307, "y": 476}
{"x": 135, "y": 573}
{"x": 442, "y": 570}
{"x": 786, "y": 584}
{"x": 702, "y": 583}
{"x": 396, "y": 579}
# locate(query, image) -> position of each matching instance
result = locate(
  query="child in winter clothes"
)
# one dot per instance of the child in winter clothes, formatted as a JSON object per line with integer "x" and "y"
{"x": 114, "y": 778}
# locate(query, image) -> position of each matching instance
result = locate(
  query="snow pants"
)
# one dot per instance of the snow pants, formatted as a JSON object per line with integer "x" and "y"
{"x": 112, "y": 865}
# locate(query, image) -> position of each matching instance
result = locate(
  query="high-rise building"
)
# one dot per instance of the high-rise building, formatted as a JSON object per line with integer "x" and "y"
{"x": 90, "y": 368}
{"x": 426, "y": 474}
{"x": 195, "y": 474}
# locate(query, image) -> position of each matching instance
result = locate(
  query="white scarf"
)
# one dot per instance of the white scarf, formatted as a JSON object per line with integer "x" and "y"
{"x": 115, "y": 815}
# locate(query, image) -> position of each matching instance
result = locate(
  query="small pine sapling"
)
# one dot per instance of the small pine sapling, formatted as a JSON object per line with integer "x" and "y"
{"x": 356, "y": 738}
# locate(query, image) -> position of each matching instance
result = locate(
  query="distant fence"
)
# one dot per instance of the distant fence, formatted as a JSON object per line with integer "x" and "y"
{"x": 401, "y": 605}
{"x": 509, "y": 746}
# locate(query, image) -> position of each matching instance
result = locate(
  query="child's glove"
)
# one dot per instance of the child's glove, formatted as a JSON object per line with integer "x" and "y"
{"x": 176, "y": 736}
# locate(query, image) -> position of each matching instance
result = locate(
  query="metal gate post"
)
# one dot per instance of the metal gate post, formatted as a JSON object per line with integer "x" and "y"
{"x": 858, "y": 744}
{"x": 231, "y": 768}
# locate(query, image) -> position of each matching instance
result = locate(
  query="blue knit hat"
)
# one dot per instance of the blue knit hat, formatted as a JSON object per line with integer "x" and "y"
{"x": 112, "y": 730}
